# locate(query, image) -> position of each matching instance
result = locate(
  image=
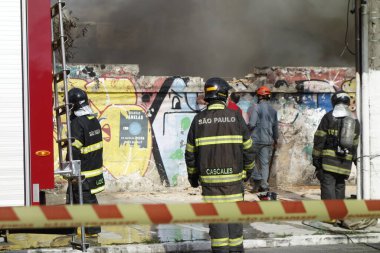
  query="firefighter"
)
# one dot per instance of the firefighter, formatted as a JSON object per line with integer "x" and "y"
{"x": 263, "y": 124}
{"x": 335, "y": 144}
{"x": 219, "y": 152}
{"x": 87, "y": 147}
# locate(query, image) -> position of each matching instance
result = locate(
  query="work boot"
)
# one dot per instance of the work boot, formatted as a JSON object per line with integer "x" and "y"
{"x": 87, "y": 235}
{"x": 256, "y": 186}
{"x": 333, "y": 222}
{"x": 261, "y": 189}
{"x": 92, "y": 235}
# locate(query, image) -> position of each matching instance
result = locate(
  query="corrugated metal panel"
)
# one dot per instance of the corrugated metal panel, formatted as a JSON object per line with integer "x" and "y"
{"x": 11, "y": 105}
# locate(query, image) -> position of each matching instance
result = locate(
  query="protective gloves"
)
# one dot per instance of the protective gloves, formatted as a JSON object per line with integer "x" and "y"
{"x": 194, "y": 182}
{"x": 317, "y": 163}
{"x": 318, "y": 173}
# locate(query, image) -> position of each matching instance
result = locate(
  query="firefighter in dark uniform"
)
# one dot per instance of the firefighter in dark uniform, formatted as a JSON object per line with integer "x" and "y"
{"x": 335, "y": 145}
{"x": 88, "y": 148}
{"x": 219, "y": 155}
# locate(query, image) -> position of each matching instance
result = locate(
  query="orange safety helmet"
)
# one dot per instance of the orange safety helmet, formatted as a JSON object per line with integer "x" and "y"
{"x": 263, "y": 91}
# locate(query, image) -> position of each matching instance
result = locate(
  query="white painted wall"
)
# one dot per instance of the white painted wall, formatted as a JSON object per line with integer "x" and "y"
{"x": 374, "y": 95}
{"x": 11, "y": 105}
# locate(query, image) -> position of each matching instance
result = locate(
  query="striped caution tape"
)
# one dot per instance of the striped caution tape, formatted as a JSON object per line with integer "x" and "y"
{"x": 124, "y": 214}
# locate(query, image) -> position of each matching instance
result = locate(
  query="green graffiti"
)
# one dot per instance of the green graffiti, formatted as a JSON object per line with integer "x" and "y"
{"x": 175, "y": 180}
{"x": 185, "y": 123}
{"x": 308, "y": 149}
{"x": 177, "y": 155}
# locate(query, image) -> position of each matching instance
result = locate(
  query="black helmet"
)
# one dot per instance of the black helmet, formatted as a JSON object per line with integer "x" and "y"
{"x": 78, "y": 98}
{"x": 340, "y": 97}
{"x": 216, "y": 89}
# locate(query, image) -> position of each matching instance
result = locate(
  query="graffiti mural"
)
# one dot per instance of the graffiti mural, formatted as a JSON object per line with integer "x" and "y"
{"x": 171, "y": 125}
{"x": 145, "y": 119}
{"x": 301, "y": 97}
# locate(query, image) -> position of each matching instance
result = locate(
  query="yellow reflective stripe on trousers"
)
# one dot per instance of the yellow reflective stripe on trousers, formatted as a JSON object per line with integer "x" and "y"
{"x": 92, "y": 173}
{"x": 219, "y": 242}
{"x": 249, "y": 166}
{"x": 224, "y": 198}
{"x": 336, "y": 169}
{"x": 190, "y": 148}
{"x": 223, "y": 139}
{"x": 320, "y": 133}
{"x": 247, "y": 144}
{"x": 221, "y": 178}
{"x": 92, "y": 148}
{"x": 235, "y": 241}
{"x": 191, "y": 170}
{"x": 97, "y": 190}
{"x": 77, "y": 144}
{"x": 216, "y": 107}
{"x": 331, "y": 153}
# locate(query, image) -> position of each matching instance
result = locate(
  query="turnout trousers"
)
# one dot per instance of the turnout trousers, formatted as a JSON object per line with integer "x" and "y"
{"x": 88, "y": 198}
{"x": 263, "y": 153}
{"x": 226, "y": 238}
{"x": 332, "y": 185}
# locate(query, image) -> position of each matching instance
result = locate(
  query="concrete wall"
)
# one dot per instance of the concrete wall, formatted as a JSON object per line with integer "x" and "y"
{"x": 145, "y": 119}
{"x": 374, "y": 120}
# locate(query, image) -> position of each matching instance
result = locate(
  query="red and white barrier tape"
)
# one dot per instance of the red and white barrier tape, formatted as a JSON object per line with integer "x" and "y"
{"x": 124, "y": 214}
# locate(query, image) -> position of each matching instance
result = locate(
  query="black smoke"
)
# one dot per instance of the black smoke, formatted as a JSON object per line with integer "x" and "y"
{"x": 213, "y": 37}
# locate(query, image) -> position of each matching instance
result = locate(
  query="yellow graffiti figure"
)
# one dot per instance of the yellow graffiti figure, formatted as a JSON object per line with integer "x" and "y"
{"x": 127, "y": 141}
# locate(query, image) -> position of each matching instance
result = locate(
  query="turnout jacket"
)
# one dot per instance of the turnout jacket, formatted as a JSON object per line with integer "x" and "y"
{"x": 326, "y": 141}
{"x": 219, "y": 153}
{"x": 88, "y": 148}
